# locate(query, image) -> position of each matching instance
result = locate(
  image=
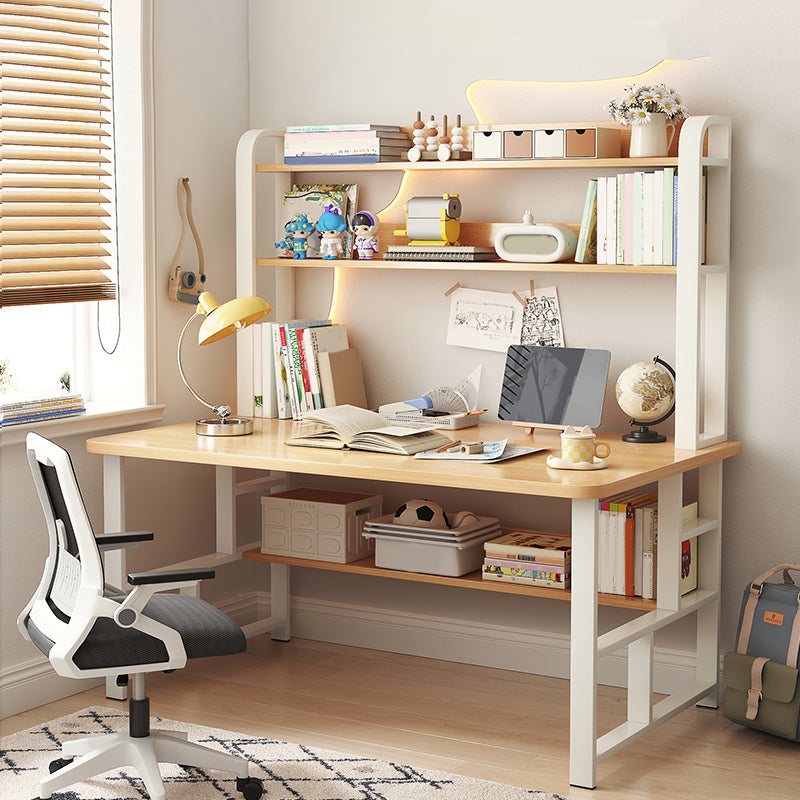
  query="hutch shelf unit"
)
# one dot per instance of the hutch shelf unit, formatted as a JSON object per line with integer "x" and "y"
{"x": 700, "y": 445}
{"x": 703, "y": 255}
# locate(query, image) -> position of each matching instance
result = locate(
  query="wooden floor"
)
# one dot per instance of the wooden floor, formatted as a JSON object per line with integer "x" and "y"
{"x": 487, "y": 723}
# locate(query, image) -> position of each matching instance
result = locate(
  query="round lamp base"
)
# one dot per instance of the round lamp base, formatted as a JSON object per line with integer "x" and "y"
{"x": 644, "y": 436}
{"x": 229, "y": 426}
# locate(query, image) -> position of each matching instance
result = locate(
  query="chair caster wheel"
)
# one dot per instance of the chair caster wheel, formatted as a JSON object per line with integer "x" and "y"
{"x": 60, "y": 763}
{"x": 251, "y": 788}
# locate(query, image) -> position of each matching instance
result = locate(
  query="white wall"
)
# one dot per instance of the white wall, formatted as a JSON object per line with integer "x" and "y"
{"x": 378, "y": 63}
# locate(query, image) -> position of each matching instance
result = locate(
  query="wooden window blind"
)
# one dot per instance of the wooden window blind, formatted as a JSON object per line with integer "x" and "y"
{"x": 57, "y": 198}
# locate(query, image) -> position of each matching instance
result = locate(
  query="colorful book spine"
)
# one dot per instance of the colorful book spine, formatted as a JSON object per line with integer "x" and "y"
{"x": 611, "y": 220}
{"x": 620, "y": 216}
{"x": 258, "y": 362}
{"x": 586, "y": 251}
{"x": 281, "y": 385}
{"x": 530, "y": 558}
{"x": 527, "y": 566}
{"x": 490, "y": 575}
{"x": 602, "y": 228}
{"x": 363, "y": 159}
{"x": 360, "y": 126}
{"x": 628, "y": 224}
{"x": 668, "y": 217}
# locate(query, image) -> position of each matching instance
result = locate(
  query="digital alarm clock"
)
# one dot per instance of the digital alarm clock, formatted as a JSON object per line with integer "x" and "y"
{"x": 537, "y": 243}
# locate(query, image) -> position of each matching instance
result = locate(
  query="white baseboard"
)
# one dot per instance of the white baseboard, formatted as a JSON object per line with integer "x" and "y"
{"x": 33, "y": 684}
{"x": 468, "y": 642}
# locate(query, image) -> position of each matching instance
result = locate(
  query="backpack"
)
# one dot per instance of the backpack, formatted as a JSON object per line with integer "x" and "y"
{"x": 762, "y": 689}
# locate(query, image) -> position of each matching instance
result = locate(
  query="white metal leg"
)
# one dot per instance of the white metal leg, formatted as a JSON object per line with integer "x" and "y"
{"x": 226, "y": 510}
{"x": 583, "y": 646}
{"x": 114, "y": 561}
{"x": 709, "y": 577}
{"x": 280, "y": 593}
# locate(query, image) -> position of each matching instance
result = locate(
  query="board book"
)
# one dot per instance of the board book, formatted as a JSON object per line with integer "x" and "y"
{"x": 348, "y": 427}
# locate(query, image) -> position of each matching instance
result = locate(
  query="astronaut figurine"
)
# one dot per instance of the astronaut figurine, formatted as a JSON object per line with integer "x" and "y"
{"x": 366, "y": 240}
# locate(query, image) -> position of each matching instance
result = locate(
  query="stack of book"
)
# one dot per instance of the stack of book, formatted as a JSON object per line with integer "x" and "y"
{"x": 344, "y": 144}
{"x": 628, "y": 546}
{"x": 301, "y": 366}
{"x": 630, "y": 218}
{"x": 16, "y": 410}
{"x": 530, "y": 557}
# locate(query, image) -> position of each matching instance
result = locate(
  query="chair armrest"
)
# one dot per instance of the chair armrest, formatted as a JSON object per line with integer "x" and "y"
{"x": 146, "y": 584}
{"x": 169, "y": 576}
{"x": 120, "y": 541}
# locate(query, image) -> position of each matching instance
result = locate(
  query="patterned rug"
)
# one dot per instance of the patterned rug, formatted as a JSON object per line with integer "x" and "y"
{"x": 289, "y": 771}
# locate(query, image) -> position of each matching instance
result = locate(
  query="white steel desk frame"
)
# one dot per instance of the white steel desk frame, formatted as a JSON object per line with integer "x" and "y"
{"x": 587, "y": 648}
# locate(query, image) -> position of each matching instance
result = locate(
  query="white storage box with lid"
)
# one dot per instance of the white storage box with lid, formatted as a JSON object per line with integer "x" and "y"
{"x": 432, "y": 551}
{"x": 319, "y": 524}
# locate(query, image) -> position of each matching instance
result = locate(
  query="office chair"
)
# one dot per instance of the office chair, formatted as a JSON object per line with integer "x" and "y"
{"x": 90, "y": 630}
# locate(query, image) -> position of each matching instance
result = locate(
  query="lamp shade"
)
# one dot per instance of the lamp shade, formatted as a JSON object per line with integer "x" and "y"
{"x": 223, "y": 320}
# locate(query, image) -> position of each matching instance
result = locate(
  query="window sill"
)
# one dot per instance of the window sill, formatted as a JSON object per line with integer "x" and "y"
{"x": 97, "y": 418}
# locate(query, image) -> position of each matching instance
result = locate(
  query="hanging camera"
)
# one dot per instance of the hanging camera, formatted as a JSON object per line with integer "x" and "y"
{"x": 184, "y": 284}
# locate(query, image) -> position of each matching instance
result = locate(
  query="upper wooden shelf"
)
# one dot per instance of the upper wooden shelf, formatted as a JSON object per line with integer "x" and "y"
{"x": 462, "y": 266}
{"x": 461, "y": 166}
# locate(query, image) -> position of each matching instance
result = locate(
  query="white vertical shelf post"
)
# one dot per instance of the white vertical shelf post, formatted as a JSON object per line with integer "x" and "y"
{"x": 246, "y": 244}
{"x": 702, "y": 282}
{"x": 670, "y": 528}
{"x": 583, "y": 649}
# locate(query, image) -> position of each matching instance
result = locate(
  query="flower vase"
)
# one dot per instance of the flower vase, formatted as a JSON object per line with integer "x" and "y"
{"x": 650, "y": 139}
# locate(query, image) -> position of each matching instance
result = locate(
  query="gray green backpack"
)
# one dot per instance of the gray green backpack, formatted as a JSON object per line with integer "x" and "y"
{"x": 762, "y": 689}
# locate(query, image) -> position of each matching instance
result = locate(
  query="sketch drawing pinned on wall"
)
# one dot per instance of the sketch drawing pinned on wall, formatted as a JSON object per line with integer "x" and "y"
{"x": 484, "y": 320}
{"x": 541, "y": 320}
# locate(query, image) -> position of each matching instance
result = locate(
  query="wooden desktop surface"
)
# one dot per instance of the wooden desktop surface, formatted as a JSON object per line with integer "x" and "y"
{"x": 630, "y": 465}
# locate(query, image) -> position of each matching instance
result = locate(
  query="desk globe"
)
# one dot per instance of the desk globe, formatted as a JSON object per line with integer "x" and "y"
{"x": 646, "y": 393}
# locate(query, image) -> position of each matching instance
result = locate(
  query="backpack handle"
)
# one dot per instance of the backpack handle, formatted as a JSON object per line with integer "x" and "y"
{"x": 756, "y": 586}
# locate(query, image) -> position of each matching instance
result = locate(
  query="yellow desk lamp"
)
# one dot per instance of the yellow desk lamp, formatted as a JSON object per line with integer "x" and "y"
{"x": 221, "y": 321}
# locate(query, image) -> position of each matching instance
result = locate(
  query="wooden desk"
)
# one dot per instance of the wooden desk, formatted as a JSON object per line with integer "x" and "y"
{"x": 631, "y": 466}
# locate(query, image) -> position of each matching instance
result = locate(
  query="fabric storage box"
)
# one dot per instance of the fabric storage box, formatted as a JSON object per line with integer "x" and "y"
{"x": 487, "y": 145}
{"x": 319, "y": 524}
{"x": 518, "y": 144}
{"x": 548, "y": 143}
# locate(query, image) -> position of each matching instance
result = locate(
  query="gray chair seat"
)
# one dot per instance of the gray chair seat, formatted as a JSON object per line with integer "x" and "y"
{"x": 204, "y": 631}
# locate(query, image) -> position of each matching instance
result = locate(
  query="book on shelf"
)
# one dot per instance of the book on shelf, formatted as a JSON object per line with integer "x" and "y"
{"x": 277, "y": 367}
{"x": 636, "y": 216}
{"x": 375, "y": 158}
{"x": 536, "y": 566}
{"x": 553, "y": 548}
{"x": 523, "y": 576}
{"x": 357, "y": 126}
{"x": 586, "y": 251}
{"x": 294, "y": 138}
{"x": 326, "y": 339}
{"x": 340, "y": 150}
{"x": 348, "y": 427}
{"x": 341, "y": 379}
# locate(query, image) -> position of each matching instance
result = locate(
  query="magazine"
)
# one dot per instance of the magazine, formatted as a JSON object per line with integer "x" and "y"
{"x": 348, "y": 427}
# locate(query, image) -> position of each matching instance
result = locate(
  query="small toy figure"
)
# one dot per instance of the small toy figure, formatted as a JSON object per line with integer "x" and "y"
{"x": 331, "y": 227}
{"x": 286, "y": 244}
{"x": 366, "y": 241}
{"x": 301, "y": 229}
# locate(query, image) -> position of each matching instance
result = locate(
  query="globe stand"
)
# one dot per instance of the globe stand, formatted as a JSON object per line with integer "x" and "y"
{"x": 644, "y": 435}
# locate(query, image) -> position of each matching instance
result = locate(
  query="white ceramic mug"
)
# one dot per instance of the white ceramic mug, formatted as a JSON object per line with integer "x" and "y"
{"x": 581, "y": 446}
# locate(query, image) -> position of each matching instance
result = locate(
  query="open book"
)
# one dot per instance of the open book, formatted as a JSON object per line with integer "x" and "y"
{"x": 351, "y": 428}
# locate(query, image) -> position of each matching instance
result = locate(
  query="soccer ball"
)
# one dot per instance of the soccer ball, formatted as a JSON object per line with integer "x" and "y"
{"x": 421, "y": 514}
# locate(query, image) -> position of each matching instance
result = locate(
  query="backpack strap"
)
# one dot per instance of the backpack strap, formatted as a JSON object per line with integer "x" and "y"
{"x": 756, "y": 684}
{"x": 750, "y": 609}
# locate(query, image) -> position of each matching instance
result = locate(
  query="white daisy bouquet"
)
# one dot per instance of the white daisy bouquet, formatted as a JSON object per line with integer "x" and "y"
{"x": 639, "y": 102}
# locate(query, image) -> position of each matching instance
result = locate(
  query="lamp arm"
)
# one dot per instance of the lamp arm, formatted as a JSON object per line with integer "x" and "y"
{"x": 223, "y": 411}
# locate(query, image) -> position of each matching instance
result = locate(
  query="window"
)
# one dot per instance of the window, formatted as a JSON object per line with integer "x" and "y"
{"x": 63, "y": 239}
{"x": 57, "y": 160}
